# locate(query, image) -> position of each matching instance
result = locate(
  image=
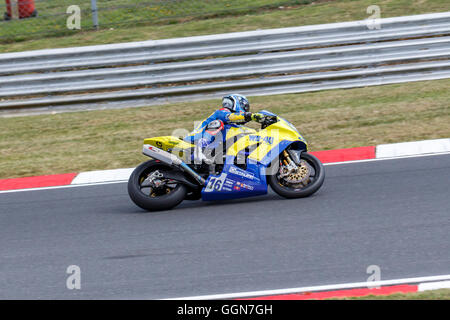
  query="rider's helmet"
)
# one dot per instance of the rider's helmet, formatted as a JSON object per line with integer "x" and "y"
{"x": 236, "y": 103}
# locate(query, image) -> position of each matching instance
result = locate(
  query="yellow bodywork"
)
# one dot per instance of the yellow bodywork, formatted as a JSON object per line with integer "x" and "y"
{"x": 170, "y": 144}
{"x": 235, "y": 131}
{"x": 267, "y": 138}
{"x": 245, "y": 137}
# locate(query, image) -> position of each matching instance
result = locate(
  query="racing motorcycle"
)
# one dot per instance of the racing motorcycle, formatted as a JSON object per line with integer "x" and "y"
{"x": 242, "y": 162}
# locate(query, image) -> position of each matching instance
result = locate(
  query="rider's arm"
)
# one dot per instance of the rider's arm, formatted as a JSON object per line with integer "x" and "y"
{"x": 242, "y": 117}
{"x": 236, "y": 118}
{"x": 230, "y": 117}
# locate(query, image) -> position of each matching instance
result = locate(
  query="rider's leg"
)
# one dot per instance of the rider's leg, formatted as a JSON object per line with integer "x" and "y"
{"x": 200, "y": 146}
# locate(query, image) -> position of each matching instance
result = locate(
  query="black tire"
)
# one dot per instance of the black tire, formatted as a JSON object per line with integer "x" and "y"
{"x": 291, "y": 193}
{"x": 158, "y": 203}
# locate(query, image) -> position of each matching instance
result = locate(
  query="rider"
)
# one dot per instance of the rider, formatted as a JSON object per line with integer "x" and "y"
{"x": 235, "y": 109}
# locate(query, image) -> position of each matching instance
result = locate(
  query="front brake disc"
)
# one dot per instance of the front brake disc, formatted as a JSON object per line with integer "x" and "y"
{"x": 300, "y": 175}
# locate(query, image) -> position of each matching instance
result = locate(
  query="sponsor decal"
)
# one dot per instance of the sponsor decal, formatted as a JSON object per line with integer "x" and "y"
{"x": 268, "y": 140}
{"x": 246, "y": 186}
{"x": 241, "y": 173}
{"x": 229, "y": 182}
{"x": 153, "y": 149}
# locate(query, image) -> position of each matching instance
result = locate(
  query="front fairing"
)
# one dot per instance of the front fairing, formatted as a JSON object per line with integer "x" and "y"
{"x": 264, "y": 145}
{"x": 285, "y": 123}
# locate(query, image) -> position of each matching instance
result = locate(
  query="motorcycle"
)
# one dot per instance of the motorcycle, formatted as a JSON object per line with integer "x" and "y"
{"x": 243, "y": 162}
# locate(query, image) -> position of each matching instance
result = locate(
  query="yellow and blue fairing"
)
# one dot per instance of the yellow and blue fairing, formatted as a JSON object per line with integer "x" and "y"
{"x": 259, "y": 149}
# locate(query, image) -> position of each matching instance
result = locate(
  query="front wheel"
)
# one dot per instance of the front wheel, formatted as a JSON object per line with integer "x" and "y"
{"x": 290, "y": 180}
{"x": 151, "y": 190}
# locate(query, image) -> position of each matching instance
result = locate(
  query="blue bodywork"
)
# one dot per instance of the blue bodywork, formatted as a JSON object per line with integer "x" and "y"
{"x": 234, "y": 182}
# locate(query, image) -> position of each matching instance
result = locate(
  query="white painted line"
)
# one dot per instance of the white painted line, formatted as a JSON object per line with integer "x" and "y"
{"x": 124, "y": 174}
{"x": 412, "y": 148}
{"x": 91, "y": 177}
{"x": 434, "y": 285}
{"x": 333, "y": 287}
{"x": 63, "y": 187}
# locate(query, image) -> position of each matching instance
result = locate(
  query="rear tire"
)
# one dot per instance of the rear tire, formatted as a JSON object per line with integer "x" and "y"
{"x": 157, "y": 203}
{"x": 292, "y": 192}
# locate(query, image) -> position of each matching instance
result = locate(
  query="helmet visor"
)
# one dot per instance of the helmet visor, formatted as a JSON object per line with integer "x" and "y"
{"x": 228, "y": 103}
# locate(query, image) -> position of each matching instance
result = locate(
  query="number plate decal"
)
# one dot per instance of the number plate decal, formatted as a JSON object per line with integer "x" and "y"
{"x": 216, "y": 183}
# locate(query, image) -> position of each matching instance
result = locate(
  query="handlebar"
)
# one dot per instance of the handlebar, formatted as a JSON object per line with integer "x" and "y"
{"x": 268, "y": 120}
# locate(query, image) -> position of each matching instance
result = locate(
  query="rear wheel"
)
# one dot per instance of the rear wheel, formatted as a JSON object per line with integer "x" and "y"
{"x": 150, "y": 190}
{"x": 300, "y": 180}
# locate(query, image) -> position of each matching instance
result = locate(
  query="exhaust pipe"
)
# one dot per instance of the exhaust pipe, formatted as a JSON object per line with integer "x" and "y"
{"x": 169, "y": 158}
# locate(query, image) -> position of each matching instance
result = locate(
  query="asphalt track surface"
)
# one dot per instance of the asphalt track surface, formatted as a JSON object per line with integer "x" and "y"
{"x": 391, "y": 213}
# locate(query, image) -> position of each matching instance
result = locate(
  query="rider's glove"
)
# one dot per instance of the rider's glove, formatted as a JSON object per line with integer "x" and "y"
{"x": 248, "y": 116}
{"x": 258, "y": 117}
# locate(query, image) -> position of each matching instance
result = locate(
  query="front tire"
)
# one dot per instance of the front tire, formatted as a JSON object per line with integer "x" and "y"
{"x": 306, "y": 189}
{"x": 154, "y": 200}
